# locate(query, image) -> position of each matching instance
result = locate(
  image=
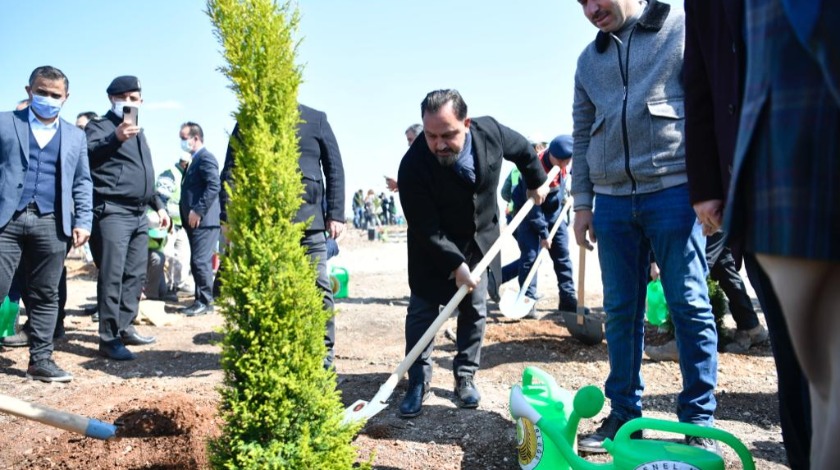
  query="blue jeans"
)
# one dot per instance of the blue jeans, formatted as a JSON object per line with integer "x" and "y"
{"x": 626, "y": 228}
{"x": 529, "y": 248}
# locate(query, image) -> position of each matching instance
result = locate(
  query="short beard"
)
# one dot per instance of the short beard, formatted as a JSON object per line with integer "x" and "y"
{"x": 447, "y": 161}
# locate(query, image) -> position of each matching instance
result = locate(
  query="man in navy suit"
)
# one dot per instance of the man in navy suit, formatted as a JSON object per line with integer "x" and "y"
{"x": 45, "y": 206}
{"x": 200, "y": 214}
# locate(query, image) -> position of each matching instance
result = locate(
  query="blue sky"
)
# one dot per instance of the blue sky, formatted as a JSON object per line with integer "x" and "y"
{"x": 366, "y": 63}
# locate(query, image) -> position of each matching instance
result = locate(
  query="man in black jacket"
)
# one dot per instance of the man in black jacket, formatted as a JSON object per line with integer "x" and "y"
{"x": 123, "y": 187}
{"x": 199, "y": 207}
{"x": 320, "y": 163}
{"x": 448, "y": 182}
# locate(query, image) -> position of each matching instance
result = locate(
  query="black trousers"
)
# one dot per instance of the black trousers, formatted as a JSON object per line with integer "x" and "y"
{"x": 794, "y": 393}
{"x": 119, "y": 241}
{"x": 722, "y": 269}
{"x": 472, "y": 318}
{"x": 203, "y": 241}
{"x": 38, "y": 243}
{"x": 315, "y": 243}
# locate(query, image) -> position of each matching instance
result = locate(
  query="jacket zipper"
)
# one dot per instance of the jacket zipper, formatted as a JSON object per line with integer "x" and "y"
{"x": 625, "y": 74}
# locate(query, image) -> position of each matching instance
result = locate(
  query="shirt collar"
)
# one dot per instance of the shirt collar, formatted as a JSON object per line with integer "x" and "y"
{"x": 37, "y": 124}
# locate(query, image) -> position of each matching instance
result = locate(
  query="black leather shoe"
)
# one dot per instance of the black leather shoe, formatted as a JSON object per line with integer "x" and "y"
{"x": 46, "y": 370}
{"x": 197, "y": 308}
{"x": 415, "y": 395}
{"x": 95, "y": 317}
{"x": 115, "y": 350}
{"x": 135, "y": 339}
{"x": 18, "y": 340}
{"x": 466, "y": 393}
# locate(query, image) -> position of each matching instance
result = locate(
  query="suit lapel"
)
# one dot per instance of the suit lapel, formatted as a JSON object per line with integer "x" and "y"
{"x": 65, "y": 159}
{"x": 479, "y": 152}
{"x": 22, "y": 129}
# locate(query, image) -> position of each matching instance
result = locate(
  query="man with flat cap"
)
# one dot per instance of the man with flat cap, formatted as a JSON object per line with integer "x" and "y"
{"x": 123, "y": 188}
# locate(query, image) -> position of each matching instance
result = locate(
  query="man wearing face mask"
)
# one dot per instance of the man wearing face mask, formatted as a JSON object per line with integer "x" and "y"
{"x": 200, "y": 214}
{"x": 123, "y": 188}
{"x": 45, "y": 206}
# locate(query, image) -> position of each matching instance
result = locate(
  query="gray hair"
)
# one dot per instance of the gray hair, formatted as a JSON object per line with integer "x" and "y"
{"x": 416, "y": 129}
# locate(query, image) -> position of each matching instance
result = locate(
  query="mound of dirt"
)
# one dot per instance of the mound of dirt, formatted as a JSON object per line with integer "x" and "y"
{"x": 165, "y": 432}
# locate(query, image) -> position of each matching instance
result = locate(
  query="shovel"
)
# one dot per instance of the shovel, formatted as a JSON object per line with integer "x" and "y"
{"x": 363, "y": 410}
{"x": 583, "y": 325}
{"x": 60, "y": 419}
{"x": 517, "y": 305}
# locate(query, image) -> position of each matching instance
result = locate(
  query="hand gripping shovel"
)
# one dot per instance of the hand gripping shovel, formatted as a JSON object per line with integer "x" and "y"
{"x": 361, "y": 409}
{"x": 585, "y": 326}
{"x": 68, "y": 421}
{"x": 517, "y": 305}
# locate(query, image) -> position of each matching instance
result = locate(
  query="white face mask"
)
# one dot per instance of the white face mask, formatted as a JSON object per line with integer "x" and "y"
{"x": 118, "y": 107}
{"x": 185, "y": 146}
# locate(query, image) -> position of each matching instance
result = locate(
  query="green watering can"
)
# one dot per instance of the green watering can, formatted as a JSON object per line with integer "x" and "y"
{"x": 547, "y": 419}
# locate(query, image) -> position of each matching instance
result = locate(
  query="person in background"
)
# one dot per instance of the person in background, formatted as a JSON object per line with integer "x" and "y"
{"x": 629, "y": 166}
{"x": 177, "y": 249}
{"x": 448, "y": 183}
{"x": 199, "y": 205}
{"x": 532, "y": 234}
{"x": 784, "y": 198}
{"x": 155, "y": 288}
{"x": 411, "y": 134}
{"x": 82, "y": 119}
{"x": 358, "y": 208}
{"x": 123, "y": 189}
{"x": 45, "y": 207}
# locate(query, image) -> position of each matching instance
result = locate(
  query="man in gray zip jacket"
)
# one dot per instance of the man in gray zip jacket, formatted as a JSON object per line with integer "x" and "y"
{"x": 629, "y": 165}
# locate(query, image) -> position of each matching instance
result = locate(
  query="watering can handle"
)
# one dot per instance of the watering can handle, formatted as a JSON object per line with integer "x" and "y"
{"x": 638, "y": 424}
{"x": 530, "y": 373}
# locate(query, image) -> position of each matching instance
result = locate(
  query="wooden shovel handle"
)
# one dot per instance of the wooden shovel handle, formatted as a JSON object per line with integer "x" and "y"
{"x": 581, "y": 279}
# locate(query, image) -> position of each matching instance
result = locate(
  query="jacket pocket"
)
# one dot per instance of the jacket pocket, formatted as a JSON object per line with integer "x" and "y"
{"x": 312, "y": 190}
{"x": 596, "y": 154}
{"x": 667, "y": 128}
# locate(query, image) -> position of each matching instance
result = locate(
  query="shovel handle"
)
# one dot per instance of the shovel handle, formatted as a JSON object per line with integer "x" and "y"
{"x": 533, "y": 272}
{"x": 478, "y": 271}
{"x": 582, "y": 279}
{"x": 59, "y": 419}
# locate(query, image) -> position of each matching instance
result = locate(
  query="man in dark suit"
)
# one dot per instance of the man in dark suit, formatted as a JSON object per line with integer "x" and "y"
{"x": 45, "y": 206}
{"x": 714, "y": 70}
{"x": 320, "y": 165}
{"x": 123, "y": 188}
{"x": 785, "y": 192}
{"x": 200, "y": 214}
{"x": 448, "y": 181}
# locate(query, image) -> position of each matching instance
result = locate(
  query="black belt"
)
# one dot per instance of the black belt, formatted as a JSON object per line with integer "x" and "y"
{"x": 131, "y": 206}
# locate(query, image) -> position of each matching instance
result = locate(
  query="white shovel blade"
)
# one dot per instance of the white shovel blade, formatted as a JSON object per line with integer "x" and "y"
{"x": 362, "y": 410}
{"x": 512, "y": 306}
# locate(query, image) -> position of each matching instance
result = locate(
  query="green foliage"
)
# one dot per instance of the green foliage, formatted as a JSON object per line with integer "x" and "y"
{"x": 718, "y": 300}
{"x": 719, "y": 305}
{"x": 279, "y": 405}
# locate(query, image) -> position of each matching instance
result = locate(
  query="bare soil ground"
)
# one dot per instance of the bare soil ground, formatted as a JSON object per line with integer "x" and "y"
{"x": 168, "y": 397}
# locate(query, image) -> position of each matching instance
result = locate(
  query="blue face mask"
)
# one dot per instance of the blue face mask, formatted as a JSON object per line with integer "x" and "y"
{"x": 46, "y": 107}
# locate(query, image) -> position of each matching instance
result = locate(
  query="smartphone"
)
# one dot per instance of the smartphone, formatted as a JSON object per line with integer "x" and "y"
{"x": 130, "y": 114}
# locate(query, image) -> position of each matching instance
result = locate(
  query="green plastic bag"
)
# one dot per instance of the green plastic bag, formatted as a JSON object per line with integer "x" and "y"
{"x": 657, "y": 310}
{"x": 8, "y": 317}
